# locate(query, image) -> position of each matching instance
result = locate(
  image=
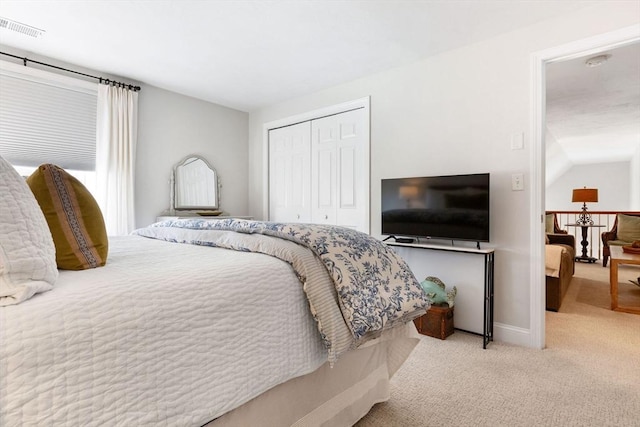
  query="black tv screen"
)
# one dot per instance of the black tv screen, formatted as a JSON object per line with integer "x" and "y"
{"x": 439, "y": 207}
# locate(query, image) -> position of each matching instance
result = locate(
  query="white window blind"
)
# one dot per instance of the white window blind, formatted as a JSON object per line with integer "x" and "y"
{"x": 46, "y": 118}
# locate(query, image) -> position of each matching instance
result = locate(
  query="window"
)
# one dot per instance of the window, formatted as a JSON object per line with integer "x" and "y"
{"x": 87, "y": 178}
{"x": 47, "y": 118}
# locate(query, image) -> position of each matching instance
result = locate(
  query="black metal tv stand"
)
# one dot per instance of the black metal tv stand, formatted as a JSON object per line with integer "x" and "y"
{"x": 488, "y": 254}
{"x": 417, "y": 240}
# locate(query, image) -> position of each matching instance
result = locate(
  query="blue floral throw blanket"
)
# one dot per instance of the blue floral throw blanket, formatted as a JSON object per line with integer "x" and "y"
{"x": 375, "y": 288}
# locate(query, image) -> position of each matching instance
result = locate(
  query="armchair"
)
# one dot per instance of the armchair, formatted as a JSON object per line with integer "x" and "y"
{"x": 625, "y": 230}
{"x": 551, "y": 224}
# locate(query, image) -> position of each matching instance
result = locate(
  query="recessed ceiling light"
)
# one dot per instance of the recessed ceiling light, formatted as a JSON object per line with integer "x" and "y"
{"x": 596, "y": 61}
{"x": 21, "y": 28}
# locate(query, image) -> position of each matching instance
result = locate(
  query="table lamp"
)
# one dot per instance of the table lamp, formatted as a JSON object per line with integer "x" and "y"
{"x": 409, "y": 193}
{"x": 585, "y": 195}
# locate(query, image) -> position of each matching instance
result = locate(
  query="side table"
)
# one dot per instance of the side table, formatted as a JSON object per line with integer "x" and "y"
{"x": 488, "y": 303}
{"x": 585, "y": 241}
{"x": 618, "y": 257}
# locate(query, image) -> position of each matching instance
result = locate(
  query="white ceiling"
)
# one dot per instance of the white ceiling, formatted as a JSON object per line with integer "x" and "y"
{"x": 250, "y": 54}
{"x": 593, "y": 113}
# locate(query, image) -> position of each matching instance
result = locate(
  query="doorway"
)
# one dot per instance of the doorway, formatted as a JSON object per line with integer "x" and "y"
{"x": 539, "y": 60}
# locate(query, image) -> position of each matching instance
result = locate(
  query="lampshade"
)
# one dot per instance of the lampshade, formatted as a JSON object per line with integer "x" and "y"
{"x": 409, "y": 191}
{"x": 583, "y": 195}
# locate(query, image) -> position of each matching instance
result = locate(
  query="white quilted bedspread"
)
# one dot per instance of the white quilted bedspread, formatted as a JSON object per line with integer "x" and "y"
{"x": 197, "y": 332}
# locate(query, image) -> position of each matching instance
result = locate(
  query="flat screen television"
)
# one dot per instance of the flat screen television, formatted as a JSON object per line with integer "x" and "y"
{"x": 452, "y": 207}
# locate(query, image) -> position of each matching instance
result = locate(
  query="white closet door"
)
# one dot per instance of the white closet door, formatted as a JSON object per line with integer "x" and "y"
{"x": 289, "y": 177}
{"x": 323, "y": 170}
{"x": 339, "y": 170}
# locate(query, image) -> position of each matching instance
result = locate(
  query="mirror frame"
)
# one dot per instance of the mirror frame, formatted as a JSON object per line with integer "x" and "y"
{"x": 174, "y": 176}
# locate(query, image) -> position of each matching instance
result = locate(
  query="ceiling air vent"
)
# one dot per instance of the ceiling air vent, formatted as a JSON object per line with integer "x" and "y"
{"x": 20, "y": 28}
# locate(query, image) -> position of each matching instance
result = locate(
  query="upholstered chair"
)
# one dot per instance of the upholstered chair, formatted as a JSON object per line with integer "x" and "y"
{"x": 551, "y": 224}
{"x": 625, "y": 230}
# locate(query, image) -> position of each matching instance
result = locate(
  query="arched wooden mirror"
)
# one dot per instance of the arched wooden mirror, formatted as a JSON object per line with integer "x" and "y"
{"x": 195, "y": 184}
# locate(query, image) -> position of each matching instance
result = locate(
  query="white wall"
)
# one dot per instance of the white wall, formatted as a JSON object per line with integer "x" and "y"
{"x": 556, "y": 160}
{"x": 455, "y": 113}
{"x": 172, "y": 126}
{"x": 611, "y": 179}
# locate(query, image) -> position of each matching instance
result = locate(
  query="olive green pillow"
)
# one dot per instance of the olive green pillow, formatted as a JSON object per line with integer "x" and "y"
{"x": 628, "y": 228}
{"x": 549, "y": 223}
{"x": 73, "y": 216}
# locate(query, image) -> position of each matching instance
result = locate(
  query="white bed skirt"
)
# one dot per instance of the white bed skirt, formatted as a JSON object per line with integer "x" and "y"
{"x": 337, "y": 396}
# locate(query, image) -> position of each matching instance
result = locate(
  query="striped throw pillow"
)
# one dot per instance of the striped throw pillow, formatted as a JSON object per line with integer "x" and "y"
{"x": 74, "y": 218}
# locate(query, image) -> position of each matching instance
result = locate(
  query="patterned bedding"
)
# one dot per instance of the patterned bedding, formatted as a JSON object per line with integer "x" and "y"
{"x": 164, "y": 334}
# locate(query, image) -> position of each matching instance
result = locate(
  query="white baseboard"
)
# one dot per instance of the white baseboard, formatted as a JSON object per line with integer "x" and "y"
{"x": 511, "y": 334}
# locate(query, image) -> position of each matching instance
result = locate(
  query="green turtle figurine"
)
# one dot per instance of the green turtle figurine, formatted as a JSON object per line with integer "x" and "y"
{"x": 436, "y": 291}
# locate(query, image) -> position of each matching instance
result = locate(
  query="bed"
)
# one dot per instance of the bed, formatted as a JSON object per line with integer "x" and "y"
{"x": 203, "y": 323}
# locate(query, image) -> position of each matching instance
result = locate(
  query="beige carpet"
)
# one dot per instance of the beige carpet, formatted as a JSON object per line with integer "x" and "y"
{"x": 597, "y": 294}
{"x": 589, "y": 374}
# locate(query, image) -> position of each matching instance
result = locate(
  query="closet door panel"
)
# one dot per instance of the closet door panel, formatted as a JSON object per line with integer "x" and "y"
{"x": 319, "y": 171}
{"x": 323, "y": 170}
{"x": 353, "y": 179}
{"x": 278, "y": 187}
{"x": 326, "y": 192}
{"x": 300, "y": 194}
{"x": 347, "y": 179}
{"x": 351, "y": 187}
{"x": 338, "y": 185}
{"x": 289, "y": 176}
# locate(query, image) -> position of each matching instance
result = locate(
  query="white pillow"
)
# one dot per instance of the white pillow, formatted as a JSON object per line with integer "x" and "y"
{"x": 27, "y": 253}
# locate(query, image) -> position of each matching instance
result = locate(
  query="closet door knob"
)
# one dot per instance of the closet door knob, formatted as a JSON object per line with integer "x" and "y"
{"x": 298, "y": 216}
{"x": 326, "y": 217}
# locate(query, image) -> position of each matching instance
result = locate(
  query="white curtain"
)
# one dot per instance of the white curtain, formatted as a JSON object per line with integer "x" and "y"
{"x": 117, "y": 129}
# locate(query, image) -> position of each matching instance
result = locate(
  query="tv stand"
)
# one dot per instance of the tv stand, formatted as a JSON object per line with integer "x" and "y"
{"x": 488, "y": 297}
{"x": 417, "y": 240}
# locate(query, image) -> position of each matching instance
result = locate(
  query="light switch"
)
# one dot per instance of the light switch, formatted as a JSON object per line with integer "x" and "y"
{"x": 517, "y": 182}
{"x": 517, "y": 141}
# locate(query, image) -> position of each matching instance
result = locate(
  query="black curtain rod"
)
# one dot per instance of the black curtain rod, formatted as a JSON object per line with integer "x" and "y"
{"x": 100, "y": 79}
